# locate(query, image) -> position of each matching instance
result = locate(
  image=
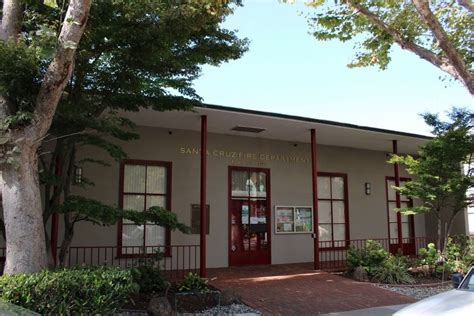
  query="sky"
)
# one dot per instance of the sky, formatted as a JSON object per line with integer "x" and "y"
{"x": 287, "y": 71}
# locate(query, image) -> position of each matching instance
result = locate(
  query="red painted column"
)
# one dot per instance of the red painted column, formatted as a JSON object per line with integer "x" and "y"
{"x": 55, "y": 218}
{"x": 202, "y": 244}
{"x": 314, "y": 177}
{"x": 396, "y": 168}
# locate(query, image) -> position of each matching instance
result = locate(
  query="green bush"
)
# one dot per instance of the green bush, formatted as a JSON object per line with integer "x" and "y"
{"x": 148, "y": 274}
{"x": 70, "y": 291}
{"x": 394, "y": 270}
{"x": 429, "y": 256}
{"x": 369, "y": 257}
{"x": 193, "y": 282}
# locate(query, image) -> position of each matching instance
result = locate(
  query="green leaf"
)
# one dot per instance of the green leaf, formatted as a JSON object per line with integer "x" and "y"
{"x": 51, "y": 3}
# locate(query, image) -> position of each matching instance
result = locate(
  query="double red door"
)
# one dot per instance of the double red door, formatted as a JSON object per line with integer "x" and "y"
{"x": 249, "y": 216}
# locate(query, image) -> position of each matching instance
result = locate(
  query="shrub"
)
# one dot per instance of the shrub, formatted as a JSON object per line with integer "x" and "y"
{"x": 193, "y": 282}
{"x": 394, "y": 270}
{"x": 148, "y": 274}
{"x": 70, "y": 291}
{"x": 369, "y": 257}
{"x": 429, "y": 256}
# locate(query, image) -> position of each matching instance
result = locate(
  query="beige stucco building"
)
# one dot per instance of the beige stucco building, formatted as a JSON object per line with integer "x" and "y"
{"x": 259, "y": 188}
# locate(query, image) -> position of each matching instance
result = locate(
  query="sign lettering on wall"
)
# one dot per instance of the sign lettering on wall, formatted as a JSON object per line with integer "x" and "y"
{"x": 245, "y": 157}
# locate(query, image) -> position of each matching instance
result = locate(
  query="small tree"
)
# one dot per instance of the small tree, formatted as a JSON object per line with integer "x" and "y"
{"x": 440, "y": 182}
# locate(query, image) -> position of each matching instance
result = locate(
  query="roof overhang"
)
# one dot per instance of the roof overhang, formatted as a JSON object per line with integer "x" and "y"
{"x": 223, "y": 120}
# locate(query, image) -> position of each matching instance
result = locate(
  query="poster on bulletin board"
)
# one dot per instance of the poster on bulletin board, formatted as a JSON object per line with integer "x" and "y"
{"x": 293, "y": 219}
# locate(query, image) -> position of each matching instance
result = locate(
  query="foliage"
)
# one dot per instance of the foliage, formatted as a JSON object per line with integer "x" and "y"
{"x": 368, "y": 257}
{"x": 193, "y": 282}
{"x": 430, "y": 257}
{"x": 148, "y": 274}
{"x": 439, "y": 182}
{"x": 457, "y": 256}
{"x": 394, "y": 270}
{"x": 375, "y": 25}
{"x": 89, "y": 291}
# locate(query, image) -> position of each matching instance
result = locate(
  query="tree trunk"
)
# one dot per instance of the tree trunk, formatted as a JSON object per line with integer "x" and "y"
{"x": 67, "y": 239}
{"x": 23, "y": 214}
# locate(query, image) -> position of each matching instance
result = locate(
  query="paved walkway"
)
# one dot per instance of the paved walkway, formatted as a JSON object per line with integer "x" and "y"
{"x": 296, "y": 289}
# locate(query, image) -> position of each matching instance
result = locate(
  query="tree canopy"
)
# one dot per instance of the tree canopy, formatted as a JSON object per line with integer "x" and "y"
{"x": 440, "y": 32}
{"x": 440, "y": 183}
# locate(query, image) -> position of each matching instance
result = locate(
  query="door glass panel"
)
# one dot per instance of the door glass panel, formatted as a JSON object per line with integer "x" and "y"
{"x": 393, "y": 233}
{"x": 324, "y": 187}
{"x": 134, "y": 179}
{"x": 156, "y": 180}
{"x": 239, "y": 183}
{"x": 391, "y": 191}
{"x": 392, "y": 215}
{"x": 337, "y": 186}
{"x": 324, "y": 211}
{"x": 339, "y": 231}
{"x": 406, "y": 230}
{"x": 325, "y": 232}
{"x": 338, "y": 212}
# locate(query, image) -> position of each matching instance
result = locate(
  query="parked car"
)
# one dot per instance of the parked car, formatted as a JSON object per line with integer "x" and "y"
{"x": 454, "y": 302}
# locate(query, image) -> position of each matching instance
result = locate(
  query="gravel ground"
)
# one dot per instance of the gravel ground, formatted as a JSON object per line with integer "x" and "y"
{"x": 418, "y": 292}
{"x": 234, "y": 309}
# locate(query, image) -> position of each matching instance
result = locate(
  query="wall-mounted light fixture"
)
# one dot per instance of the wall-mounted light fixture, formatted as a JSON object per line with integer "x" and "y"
{"x": 78, "y": 174}
{"x": 368, "y": 188}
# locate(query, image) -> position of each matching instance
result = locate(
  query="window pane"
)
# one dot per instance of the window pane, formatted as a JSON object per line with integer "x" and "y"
{"x": 132, "y": 235}
{"x": 337, "y": 185}
{"x": 255, "y": 185}
{"x": 339, "y": 231}
{"x": 391, "y": 191}
{"x": 406, "y": 230}
{"x": 156, "y": 179}
{"x": 134, "y": 179}
{"x": 239, "y": 183}
{"x": 261, "y": 184}
{"x": 338, "y": 212}
{"x": 325, "y": 233}
{"x": 133, "y": 202}
{"x": 324, "y": 210}
{"x": 393, "y": 233}
{"x": 404, "y": 197}
{"x": 155, "y": 235}
{"x": 324, "y": 187}
{"x": 155, "y": 200}
{"x": 392, "y": 215}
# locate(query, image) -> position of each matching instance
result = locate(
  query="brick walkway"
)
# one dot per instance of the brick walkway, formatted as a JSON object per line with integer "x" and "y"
{"x": 296, "y": 289}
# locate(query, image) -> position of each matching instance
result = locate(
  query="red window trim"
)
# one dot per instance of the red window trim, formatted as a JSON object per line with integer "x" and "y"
{"x": 346, "y": 210}
{"x": 387, "y": 201}
{"x": 169, "y": 169}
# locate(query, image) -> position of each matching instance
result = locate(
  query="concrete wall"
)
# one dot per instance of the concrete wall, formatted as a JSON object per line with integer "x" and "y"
{"x": 290, "y": 185}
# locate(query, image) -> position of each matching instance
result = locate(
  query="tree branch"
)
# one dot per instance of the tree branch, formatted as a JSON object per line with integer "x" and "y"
{"x": 467, "y": 4}
{"x": 60, "y": 69}
{"x": 440, "y": 62}
{"x": 455, "y": 59}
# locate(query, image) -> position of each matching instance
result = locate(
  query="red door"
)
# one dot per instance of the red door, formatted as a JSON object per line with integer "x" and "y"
{"x": 249, "y": 216}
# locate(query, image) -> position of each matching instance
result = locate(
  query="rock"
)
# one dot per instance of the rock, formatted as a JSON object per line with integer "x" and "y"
{"x": 360, "y": 274}
{"x": 159, "y": 305}
{"x": 229, "y": 297}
